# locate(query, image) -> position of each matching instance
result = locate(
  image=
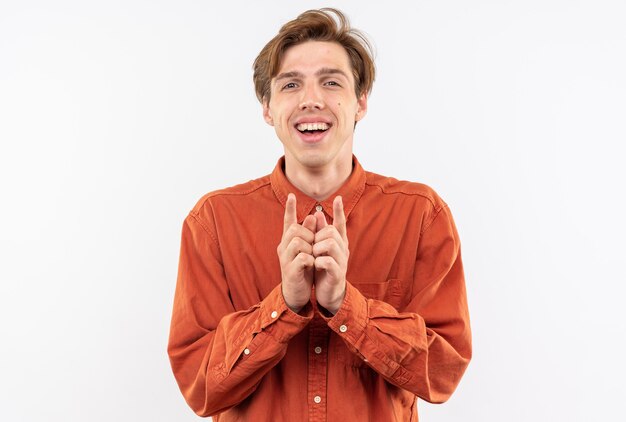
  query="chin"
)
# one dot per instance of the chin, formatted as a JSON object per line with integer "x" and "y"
{"x": 313, "y": 160}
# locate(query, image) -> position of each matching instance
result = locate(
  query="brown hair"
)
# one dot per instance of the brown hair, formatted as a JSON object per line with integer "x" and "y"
{"x": 316, "y": 25}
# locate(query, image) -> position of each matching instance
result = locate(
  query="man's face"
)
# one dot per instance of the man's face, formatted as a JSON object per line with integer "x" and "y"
{"x": 313, "y": 106}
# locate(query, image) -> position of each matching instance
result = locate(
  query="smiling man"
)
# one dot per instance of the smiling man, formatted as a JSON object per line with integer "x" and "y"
{"x": 320, "y": 292}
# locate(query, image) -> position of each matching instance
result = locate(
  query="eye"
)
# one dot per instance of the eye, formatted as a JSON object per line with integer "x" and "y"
{"x": 289, "y": 85}
{"x": 332, "y": 83}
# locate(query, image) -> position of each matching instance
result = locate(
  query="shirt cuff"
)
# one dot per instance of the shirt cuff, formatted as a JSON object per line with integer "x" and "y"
{"x": 350, "y": 320}
{"x": 278, "y": 320}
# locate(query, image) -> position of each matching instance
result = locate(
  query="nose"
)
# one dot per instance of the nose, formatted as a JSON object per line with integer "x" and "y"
{"x": 311, "y": 98}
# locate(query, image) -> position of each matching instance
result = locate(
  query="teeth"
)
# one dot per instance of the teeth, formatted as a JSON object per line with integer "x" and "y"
{"x": 312, "y": 126}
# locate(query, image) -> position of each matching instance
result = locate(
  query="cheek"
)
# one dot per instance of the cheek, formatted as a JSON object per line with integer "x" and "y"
{"x": 279, "y": 121}
{"x": 348, "y": 111}
{"x": 277, "y": 118}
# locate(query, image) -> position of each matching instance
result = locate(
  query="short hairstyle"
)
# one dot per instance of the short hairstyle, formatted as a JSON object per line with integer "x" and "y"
{"x": 325, "y": 24}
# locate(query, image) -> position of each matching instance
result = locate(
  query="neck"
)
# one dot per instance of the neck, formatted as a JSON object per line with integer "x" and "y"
{"x": 319, "y": 183}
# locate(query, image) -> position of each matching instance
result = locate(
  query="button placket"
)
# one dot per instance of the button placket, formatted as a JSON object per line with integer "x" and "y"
{"x": 318, "y": 367}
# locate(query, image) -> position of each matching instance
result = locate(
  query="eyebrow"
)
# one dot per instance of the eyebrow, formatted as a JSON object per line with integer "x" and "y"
{"x": 322, "y": 72}
{"x": 330, "y": 71}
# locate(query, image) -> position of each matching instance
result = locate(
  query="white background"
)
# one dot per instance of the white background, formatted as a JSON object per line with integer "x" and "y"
{"x": 115, "y": 117}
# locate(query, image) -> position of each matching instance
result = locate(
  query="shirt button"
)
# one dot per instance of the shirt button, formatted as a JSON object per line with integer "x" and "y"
{"x": 246, "y": 351}
{"x": 318, "y": 350}
{"x": 317, "y": 399}
{"x": 274, "y": 314}
{"x": 343, "y": 328}
{"x": 318, "y": 207}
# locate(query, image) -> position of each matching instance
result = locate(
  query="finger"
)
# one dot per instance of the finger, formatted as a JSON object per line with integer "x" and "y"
{"x": 304, "y": 260}
{"x": 321, "y": 220}
{"x": 310, "y": 223}
{"x": 329, "y": 232}
{"x": 339, "y": 218}
{"x": 297, "y": 246}
{"x": 296, "y": 230}
{"x": 328, "y": 247}
{"x": 327, "y": 264}
{"x": 290, "y": 212}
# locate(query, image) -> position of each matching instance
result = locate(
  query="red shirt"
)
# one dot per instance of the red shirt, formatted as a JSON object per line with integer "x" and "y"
{"x": 240, "y": 354}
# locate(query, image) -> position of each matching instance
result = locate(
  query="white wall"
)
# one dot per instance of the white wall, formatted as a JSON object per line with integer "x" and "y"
{"x": 115, "y": 117}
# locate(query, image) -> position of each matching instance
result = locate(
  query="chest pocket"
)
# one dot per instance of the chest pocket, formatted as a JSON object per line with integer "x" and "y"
{"x": 393, "y": 292}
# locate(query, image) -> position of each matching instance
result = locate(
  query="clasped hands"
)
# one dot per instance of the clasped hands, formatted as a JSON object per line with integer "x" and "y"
{"x": 314, "y": 253}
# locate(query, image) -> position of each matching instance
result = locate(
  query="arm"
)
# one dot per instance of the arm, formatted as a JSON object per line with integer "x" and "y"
{"x": 426, "y": 348}
{"x": 219, "y": 354}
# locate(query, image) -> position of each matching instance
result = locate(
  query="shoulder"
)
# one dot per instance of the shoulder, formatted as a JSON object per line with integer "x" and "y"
{"x": 391, "y": 186}
{"x": 402, "y": 197}
{"x": 239, "y": 193}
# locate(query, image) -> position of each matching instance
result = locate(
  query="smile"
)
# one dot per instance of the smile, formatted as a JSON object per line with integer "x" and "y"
{"x": 316, "y": 127}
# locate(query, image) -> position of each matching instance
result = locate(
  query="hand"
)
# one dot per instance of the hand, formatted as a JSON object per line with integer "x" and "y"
{"x": 331, "y": 253}
{"x": 295, "y": 254}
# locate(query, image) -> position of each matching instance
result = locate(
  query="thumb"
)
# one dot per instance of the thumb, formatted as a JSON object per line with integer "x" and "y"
{"x": 310, "y": 223}
{"x": 321, "y": 220}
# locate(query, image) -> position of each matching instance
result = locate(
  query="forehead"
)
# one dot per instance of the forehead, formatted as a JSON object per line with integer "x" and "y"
{"x": 310, "y": 56}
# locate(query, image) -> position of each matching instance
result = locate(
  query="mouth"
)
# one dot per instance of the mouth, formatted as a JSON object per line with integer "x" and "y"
{"x": 312, "y": 128}
{"x": 312, "y": 132}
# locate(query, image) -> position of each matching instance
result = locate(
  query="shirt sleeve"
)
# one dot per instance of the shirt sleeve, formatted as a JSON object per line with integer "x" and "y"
{"x": 218, "y": 354}
{"x": 425, "y": 348}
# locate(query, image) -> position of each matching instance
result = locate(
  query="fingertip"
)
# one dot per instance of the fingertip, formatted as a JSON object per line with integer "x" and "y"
{"x": 321, "y": 262}
{"x": 290, "y": 211}
{"x": 338, "y": 211}
{"x": 338, "y": 203}
{"x": 321, "y": 220}
{"x": 309, "y": 223}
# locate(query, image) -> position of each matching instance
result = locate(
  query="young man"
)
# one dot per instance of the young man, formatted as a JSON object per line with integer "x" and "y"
{"x": 320, "y": 292}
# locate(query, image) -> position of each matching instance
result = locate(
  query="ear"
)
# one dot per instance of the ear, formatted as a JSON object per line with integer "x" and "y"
{"x": 361, "y": 110}
{"x": 267, "y": 114}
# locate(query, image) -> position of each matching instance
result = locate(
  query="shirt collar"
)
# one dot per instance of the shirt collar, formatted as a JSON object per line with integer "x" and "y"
{"x": 350, "y": 191}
